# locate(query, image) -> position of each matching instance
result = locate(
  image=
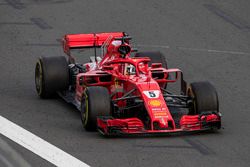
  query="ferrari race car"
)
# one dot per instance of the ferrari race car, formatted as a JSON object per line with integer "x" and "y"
{"x": 123, "y": 91}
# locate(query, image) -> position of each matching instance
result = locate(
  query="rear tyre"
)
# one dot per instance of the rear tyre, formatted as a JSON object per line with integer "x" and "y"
{"x": 205, "y": 98}
{"x": 51, "y": 75}
{"x": 156, "y": 57}
{"x": 95, "y": 102}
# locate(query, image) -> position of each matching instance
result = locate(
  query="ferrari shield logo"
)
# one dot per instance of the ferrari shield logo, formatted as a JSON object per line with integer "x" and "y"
{"x": 155, "y": 103}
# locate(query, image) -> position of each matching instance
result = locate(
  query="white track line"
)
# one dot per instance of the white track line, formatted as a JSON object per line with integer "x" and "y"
{"x": 37, "y": 145}
{"x": 214, "y": 51}
{"x": 196, "y": 49}
{"x": 153, "y": 46}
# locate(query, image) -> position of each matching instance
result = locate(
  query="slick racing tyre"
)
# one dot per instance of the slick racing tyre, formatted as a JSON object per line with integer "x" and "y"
{"x": 204, "y": 97}
{"x": 95, "y": 102}
{"x": 156, "y": 57}
{"x": 51, "y": 75}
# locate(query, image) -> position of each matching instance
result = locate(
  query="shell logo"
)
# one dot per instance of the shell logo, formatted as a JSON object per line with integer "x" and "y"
{"x": 155, "y": 103}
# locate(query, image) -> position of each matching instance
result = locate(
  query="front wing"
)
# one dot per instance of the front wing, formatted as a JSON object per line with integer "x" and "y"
{"x": 110, "y": 126}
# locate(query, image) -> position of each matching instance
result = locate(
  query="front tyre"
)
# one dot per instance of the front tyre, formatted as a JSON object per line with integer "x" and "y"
{"x": 205, "y": 98}
{"x": 95, "y": 102}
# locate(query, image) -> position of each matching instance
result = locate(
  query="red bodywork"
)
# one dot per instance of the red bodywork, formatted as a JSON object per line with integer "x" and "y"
{"x": 111, "y": 73}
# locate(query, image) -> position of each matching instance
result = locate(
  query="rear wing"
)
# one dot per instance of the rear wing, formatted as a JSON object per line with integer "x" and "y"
{"x": 87, "y": 40}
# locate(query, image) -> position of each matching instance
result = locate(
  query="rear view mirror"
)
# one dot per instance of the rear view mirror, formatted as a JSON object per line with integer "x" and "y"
{"x": 156, "y": 65}
{"x": 172, "y": 76}
{"x": 108, "y": 67}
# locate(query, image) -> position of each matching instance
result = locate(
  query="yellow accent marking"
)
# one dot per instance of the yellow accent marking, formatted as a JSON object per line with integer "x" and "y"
{"x": 160, "y": 114}
{"x": 86, "y": 109}
{"x": 191, "y": 94}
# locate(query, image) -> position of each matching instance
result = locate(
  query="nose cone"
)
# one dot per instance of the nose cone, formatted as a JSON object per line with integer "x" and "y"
{"x": 156, "y": 106}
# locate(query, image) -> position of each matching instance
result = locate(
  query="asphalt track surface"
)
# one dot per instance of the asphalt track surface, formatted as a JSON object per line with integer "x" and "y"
{"x": 208, "y": 40}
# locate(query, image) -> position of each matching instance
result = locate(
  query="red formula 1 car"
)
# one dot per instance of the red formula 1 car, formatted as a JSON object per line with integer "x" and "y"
{"x": 118, "y": 93}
